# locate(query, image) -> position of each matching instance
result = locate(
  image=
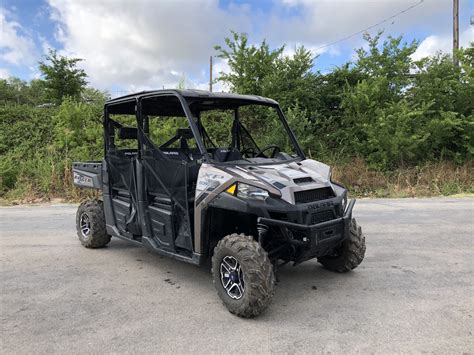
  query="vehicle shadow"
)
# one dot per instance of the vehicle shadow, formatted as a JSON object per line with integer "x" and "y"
{"x": 186, "y": 272}
{"x": 297, "y": 289}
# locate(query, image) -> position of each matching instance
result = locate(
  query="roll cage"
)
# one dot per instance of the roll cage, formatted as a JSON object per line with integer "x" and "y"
{"x": 189, "y": 104}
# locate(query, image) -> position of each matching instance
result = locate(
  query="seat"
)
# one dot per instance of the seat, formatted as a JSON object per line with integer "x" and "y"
{"x": 175, "y": 154}
{"x": 226, "y": 154}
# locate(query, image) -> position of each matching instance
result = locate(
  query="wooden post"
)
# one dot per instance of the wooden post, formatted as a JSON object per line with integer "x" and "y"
{"x": 455, "y": 30}
{"x": 210, "y": 73}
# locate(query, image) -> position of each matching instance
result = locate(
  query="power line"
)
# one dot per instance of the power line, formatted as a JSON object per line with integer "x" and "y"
{"x": 372, "y": 26}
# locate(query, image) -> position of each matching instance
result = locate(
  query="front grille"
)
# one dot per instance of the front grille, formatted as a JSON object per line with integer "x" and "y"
{"x": 313, "y": 195}
{"x": 322, "y": 217}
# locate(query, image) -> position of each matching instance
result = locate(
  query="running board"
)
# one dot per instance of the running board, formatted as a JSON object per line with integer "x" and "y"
{"x": 150, "y": 244}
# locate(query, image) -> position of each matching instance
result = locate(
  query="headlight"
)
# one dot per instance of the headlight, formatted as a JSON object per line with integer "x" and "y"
{"x": 248, "y": 192}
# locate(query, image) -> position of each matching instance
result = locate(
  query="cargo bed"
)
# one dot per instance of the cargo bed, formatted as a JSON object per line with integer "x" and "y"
{"x": 87, "y": 174}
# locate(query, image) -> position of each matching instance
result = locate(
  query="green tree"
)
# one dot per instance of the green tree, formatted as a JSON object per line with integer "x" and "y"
{"x": 403, "y": 112}
{"x": 94, "y": 96}
{"x": 37, "y": 92}
{"x": 250, "y": 65}
{"x": 62, "y": 77}
{"x": 260, "y": 70}
{"x": 292, "y": 80}
{"x": 372, "y": 107}
{"x": 16, "y": 91}
{"x": 78, "y": 130}
{"x": 449, "y": 91}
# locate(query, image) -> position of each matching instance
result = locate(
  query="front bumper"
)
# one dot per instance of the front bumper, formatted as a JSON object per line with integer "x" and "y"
{"x": 316, "y": 239}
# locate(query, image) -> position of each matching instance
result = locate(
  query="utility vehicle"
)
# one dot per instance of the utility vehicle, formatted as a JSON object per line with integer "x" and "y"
{"x": 195, "y": 175}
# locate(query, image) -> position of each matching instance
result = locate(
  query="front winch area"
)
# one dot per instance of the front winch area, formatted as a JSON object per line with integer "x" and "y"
{"x": 296, "y": 242}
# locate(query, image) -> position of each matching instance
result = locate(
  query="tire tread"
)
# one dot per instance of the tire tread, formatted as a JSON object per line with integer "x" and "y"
{"x": 260, "y": 279}
{"x": 95, "y": 210}
{"x": 353, "y": 251}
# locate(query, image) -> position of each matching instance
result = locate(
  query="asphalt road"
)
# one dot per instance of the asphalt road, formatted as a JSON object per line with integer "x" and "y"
{"x": 412, "y": 293}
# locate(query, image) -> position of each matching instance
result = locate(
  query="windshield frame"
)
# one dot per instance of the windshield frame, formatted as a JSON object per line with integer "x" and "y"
{"x": 236, "y": 104}
{"x": 241, "y": 100}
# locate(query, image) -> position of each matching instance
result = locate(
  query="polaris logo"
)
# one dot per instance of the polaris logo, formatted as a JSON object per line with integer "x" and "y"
{"x": 317, "y": 206}
{"x": 82, "y": 180}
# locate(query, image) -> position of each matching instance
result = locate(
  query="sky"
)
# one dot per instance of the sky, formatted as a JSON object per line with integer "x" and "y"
{"x": 133, "y": 45}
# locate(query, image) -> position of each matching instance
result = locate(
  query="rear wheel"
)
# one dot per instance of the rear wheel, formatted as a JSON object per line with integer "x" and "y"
{"x": 349, "y": 254}
{"x": 90, "y": 224}
{"x": 243, "y": 275}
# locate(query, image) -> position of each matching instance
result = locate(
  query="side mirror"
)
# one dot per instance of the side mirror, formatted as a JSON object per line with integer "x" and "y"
{"x": 128, "y": 133}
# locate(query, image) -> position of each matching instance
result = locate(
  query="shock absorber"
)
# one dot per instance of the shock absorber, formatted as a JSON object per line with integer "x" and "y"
{"x": 262, "y": 230}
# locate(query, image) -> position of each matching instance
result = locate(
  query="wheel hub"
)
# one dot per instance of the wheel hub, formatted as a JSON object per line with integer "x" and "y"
{"x": 232, "y": 277}
{"x": 85, "y": 225}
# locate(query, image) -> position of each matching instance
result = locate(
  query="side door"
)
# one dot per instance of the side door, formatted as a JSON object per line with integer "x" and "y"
{"x": 170, "y": 164}
{"x": 122, "y": 151}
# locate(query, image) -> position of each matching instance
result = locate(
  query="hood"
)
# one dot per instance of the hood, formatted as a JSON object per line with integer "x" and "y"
{"x": 287, "y": 178}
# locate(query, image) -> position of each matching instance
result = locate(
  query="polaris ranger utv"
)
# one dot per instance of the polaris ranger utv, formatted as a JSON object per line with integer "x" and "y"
{"x": 195, "y": 175}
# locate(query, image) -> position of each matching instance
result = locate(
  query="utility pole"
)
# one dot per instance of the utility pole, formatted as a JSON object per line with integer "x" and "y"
{"x": 455, "y": 31}
{"x": 210, "y": 73}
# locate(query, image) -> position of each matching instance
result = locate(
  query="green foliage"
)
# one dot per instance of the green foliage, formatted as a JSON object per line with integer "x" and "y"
{"x": 380, "y": 117}
{"x": 94, "y": 96}
{"x": 250, "y": 65}
{"x": 78, "y": 130}
{"x": 16, "y": 91}
{"x": 300, "y": 124}
{"x": 404, "y": 112}
{"x": 292, "y": 80}
{"x": 384, "y": 107}
{"x": 262, "y": 71}
{"x": 62, "y": 77}
{"x": 163, "y": 128}
{"x": 38, "y": 145}
{"x": 391, "y": 61}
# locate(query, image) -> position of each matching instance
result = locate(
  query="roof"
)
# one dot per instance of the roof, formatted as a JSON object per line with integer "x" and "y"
{"x": 194, "y": 94}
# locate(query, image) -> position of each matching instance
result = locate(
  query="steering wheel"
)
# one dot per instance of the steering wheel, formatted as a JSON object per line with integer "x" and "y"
{"x": 276, "y": 149}
{"x": 249, "y": 150}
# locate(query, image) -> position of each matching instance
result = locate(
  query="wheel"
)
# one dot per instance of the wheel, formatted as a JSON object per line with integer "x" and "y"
{"x": 350, "y": 254}
{"x": 90, "y": 224}
{"x": 243, "y": 275}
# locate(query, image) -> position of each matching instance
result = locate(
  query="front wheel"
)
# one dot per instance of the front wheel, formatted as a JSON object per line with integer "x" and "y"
{"x": 90, "y": 224}
{"x": 243, "y": 275}
{"x": 349, "y": 254}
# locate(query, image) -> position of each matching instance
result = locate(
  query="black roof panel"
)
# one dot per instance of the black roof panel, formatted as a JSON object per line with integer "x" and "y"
{"x": 194, "y": 94}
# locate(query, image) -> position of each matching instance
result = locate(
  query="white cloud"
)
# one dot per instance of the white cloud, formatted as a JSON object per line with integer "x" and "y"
{"x": 290, "y": 49}
{"x": 138, "y": 45}
{"x": 219, "y": 66}
{"x": 319, "y": 23}
{"x": 441, "y": 43}
{"x": 431, "y": 45}
{"x": 144, "y": 44}
{"x": 16, "y": 47}
{"x": 4, "y": 73}
{"x": 45, "y": 45}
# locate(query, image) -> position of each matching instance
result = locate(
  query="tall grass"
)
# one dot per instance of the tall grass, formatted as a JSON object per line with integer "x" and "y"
{"x": 49, "y": 180}
{"x": 430, "y": 179}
